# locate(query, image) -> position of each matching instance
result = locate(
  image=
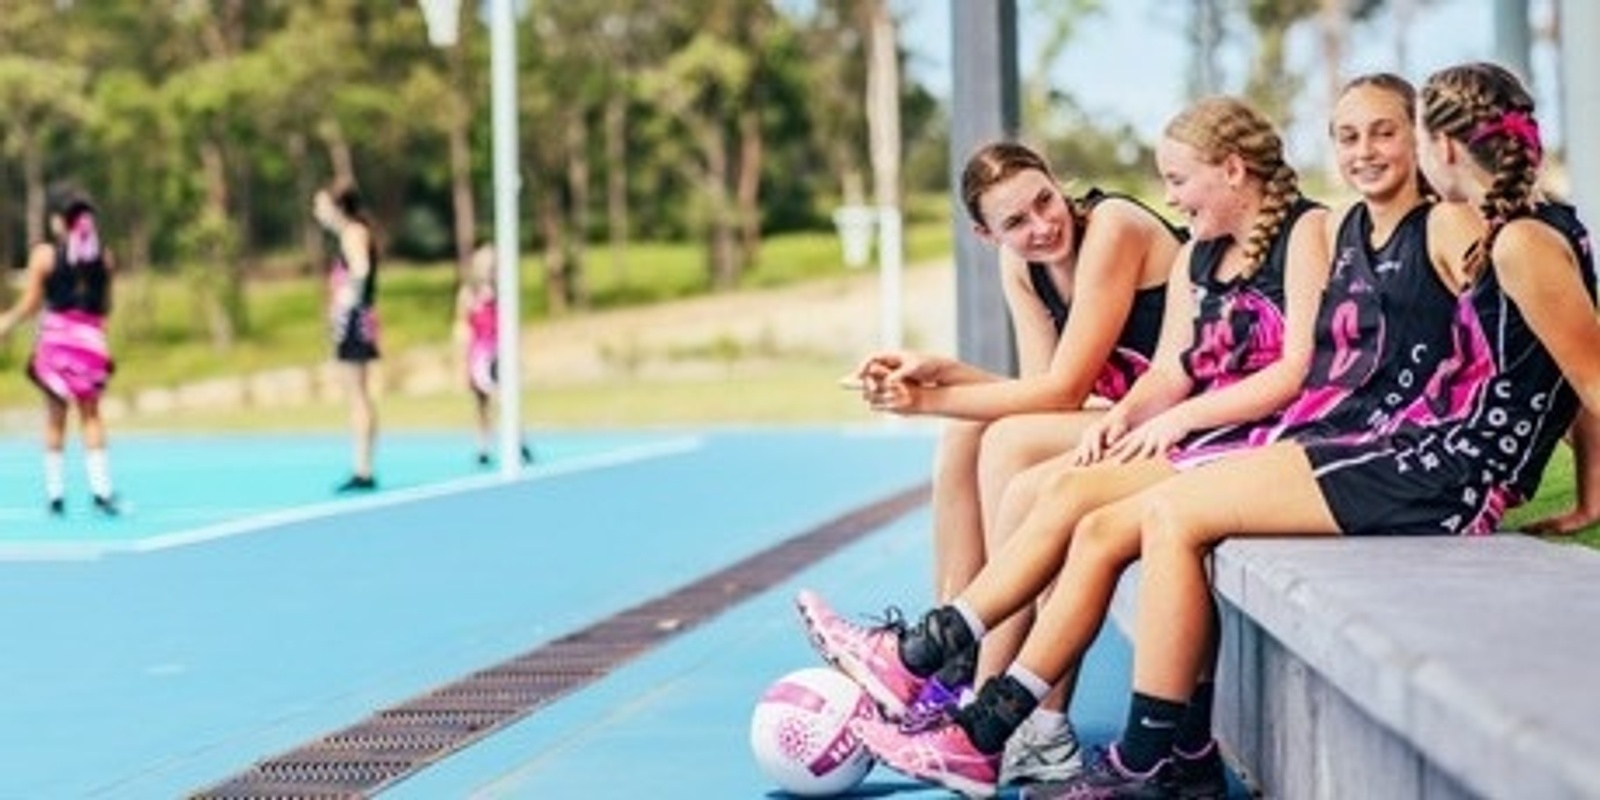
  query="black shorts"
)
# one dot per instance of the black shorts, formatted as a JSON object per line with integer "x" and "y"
{"x": 356, "y": 339}
{"x": 1388, "y": 489}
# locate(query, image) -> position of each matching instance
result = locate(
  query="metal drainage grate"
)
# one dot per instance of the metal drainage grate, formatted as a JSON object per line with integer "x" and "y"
{"x": 396, "y": 742}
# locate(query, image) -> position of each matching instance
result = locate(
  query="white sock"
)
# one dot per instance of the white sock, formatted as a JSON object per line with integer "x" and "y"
{"x": 99, "y": 468}
{"x": 1048, "y": 720}
{"x": 1036, "y": 686}
{"x": 974, "y": 623}
{"x": 55, "y": 484}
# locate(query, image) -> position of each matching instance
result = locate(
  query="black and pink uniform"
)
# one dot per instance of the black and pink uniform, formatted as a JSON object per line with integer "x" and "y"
{"x": 1383, "y": 347}
{"x": 1504, "y": 407}
{"x": 1136, "y": 343}
{"x": 71, "y": 357}
{"x": 1238, "y": 323}
{"x": 355, "y": 329}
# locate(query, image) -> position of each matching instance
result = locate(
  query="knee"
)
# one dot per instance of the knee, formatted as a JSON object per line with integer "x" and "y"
{"x": 1164, "y": 526}
{"x": 1105, "y": 537}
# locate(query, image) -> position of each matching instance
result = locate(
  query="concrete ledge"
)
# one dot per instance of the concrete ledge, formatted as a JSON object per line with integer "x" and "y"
{"x": 1409, "y": 667}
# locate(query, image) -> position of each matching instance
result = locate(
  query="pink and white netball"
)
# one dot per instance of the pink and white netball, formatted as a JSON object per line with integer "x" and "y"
{"x": 801, "y": 737}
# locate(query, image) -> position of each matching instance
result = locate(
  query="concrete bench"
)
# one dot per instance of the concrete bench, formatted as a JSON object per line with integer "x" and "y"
{"x": 1409, "y": 667}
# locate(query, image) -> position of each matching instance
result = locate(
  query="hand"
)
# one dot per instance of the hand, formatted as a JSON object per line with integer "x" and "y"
{"x": 1157, "y": 436}
{"x": 1099, "y": 438}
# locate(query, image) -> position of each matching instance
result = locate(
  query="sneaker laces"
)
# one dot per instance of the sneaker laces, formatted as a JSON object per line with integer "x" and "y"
{"x": 892, "y": 619}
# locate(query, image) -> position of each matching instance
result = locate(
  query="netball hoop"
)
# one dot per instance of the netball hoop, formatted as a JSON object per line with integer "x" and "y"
{"x": 444, "y": 21}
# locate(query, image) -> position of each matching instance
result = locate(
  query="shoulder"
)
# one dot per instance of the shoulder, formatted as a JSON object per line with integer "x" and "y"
{"x": 1120, "y": 215}
{"x": 1530, "y": 240}
{"x": 1311, "y": 220}
{"x": 42, "y": 257}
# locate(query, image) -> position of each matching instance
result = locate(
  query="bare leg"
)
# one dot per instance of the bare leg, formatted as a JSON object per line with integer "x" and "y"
{"x": 1584, "y": 438}
{"x": 92, "y": 426}
{"x": 485, "y": 419}
{"x": 1032, "y": 556}
{"x": 957, "y": 517}
{"x": 363, "y": 418}
{"x": 1181, "y": 521}
{"x": 55, "y": 423}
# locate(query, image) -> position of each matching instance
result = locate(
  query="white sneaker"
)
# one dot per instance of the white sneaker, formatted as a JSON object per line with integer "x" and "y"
{"x": 1034, "y": 756}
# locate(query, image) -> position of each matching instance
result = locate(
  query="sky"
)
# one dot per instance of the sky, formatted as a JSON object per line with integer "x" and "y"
{"x": 1137, "y": 56}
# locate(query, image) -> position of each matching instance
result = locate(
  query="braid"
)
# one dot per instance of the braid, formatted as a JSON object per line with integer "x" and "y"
{"x": 1484, "y": 106}
{"x": 1218, "y": 127}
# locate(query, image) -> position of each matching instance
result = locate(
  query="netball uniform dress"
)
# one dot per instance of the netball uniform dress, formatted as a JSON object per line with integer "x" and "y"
{"x": 1460, "y": 474}
{"x": 1136, "y": 343}
{"x": 1384, "y": 345}
{"x": 71, "y": 359}
{"x": 1239, "y": 322}
{"x": 483, "y": 326}
{"x": 355, "y": 329}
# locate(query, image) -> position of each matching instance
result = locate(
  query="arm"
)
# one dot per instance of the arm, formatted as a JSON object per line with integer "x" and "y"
{"x": 1165, "y": 383}
{"x": 1271, "y": 387}
{"x": 41, "y": 260}
{"x": 1539, "y": 272}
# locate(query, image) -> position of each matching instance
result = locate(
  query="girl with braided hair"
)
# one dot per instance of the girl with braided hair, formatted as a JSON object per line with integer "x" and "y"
{"x": 1236, "y": 342}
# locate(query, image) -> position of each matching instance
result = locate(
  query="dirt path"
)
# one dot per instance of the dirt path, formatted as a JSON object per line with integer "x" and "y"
{"x": 839, "y": 318}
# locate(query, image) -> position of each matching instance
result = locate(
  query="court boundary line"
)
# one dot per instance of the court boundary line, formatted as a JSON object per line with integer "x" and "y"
{"x": 399, "y": 741}
{"x": 49, "y": 550}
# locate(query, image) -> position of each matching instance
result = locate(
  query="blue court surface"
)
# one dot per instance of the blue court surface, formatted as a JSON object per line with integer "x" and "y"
{"x": 241, "y": 610}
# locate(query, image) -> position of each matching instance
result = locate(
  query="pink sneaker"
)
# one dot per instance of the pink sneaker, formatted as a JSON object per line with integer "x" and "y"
{"x": 869, "y": 655}
{"x": 942, "y": 755}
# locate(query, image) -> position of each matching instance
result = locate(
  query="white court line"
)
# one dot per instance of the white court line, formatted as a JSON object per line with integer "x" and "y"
{"x": 44, "y": 550}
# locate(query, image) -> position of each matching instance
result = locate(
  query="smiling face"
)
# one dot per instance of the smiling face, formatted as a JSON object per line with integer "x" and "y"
{"x": 1202, "y": 192}
{"x": 1375, "y": 141}
{"x": 1028, "y": 213}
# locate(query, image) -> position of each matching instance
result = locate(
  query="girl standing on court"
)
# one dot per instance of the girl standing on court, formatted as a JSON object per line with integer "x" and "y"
{"x": 352, "y": 316}
{"x": 1236, "y": 343}
{"x": 1084, "y": 282}
{"x": 477, "y": 330}
{"x": 68, "y": 284}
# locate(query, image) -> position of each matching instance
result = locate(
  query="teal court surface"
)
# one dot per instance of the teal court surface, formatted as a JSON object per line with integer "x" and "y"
{"x": 599, "y": 626}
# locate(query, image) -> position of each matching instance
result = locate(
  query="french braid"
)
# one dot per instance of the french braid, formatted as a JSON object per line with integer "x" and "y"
{"x": 1217, "y": 127}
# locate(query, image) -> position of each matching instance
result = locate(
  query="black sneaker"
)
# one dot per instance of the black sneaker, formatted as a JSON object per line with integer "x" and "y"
{"x": 1199, "y": 777}
{"x": 527, "y": 455}
{"x": 57, "y": 507}
{"x": 107, "y": 504}
{"x": 1106, "y": 779}
{"x": 358, "y": 483}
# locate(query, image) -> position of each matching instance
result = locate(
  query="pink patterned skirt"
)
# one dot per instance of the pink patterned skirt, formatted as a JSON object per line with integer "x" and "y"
{"x": 71, "y": 359}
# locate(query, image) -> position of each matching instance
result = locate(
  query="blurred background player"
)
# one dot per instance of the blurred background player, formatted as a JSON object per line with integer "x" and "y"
{"x": 477, "y": 332}
{"x": 352, "y": 313}
{"x": 68, "y": 284}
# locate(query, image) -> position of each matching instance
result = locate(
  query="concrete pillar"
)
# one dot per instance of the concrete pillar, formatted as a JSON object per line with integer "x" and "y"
{"x": 984, "y": 106}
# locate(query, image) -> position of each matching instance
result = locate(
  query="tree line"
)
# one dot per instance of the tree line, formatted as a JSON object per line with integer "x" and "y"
{"x": 202, "y": 128}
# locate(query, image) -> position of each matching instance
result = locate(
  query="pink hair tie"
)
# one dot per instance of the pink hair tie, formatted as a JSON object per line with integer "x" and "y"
{"x": 1515, "y": 124}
